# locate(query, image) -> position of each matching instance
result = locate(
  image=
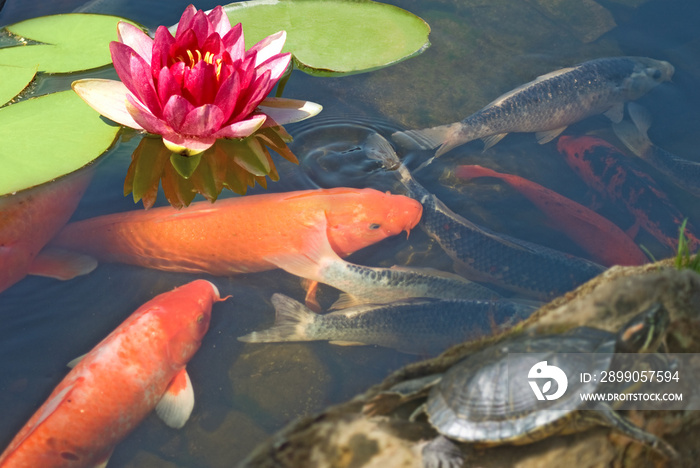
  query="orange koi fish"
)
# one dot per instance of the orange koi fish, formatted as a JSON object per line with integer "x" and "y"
{"x": 607, "y": 243}
{"x": 29, "y": 219}
{"x": 606, "y": 170}
{"x": 235, "y": 235}
{"x": 138, "y": 367}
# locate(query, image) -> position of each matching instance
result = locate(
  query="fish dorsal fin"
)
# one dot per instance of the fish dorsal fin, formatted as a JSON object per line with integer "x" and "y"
{"x": 47, "y": 410}
{"x": 524, "y": 86}
{"x": 176, "y": 405}
{"x": 616, "y": 112}
{"x": 61, "y": 264}
{"x": 548, "y": 135}
{"x": 491, "y": 140}
{"x": 75, "y": 361}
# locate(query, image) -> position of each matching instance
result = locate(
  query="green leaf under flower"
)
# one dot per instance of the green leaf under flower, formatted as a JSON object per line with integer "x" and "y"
{"x": 68, "y": 43}
{"x": 13, "y": 80}
{"x": 46, "y": 137}
{"x": 232, "y": 163}
{"x": 335, "y": 37}
{"x": 185, "y": 165}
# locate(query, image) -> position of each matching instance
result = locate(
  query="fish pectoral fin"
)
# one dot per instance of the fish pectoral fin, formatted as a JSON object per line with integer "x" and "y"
{"x": 75, "y": 361}
{"x": 549, "y": 135}
{"x": 176, "y": 405}
{"x": 61, "y": 264}
{"x": 347, "y": 343}
{"x": 345, "y": 301}
{"x": 616, "y": 112}
{"x": 491, "y": 140}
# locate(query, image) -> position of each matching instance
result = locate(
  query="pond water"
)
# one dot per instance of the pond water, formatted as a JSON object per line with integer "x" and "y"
{"x": 480, "y": 49}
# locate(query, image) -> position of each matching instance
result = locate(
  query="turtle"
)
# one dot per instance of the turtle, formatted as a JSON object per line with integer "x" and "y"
{"x": 471, "y": 402}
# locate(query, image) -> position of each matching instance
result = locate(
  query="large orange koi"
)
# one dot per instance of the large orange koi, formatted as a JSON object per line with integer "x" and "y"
{"x": 235, "y": 235}
{"x": 138, "y": 367}
{"x": 29, "y": 219}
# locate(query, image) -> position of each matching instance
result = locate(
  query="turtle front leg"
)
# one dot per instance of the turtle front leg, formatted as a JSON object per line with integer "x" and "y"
{"x": 604, "y": 415}
{"x": 441, "y": 452}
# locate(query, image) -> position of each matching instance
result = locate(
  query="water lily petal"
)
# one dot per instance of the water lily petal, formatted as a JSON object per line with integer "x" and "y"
{"x": 252, "y": 96}
{"x": 136, "y": 39}
{"x": 234, "y": 42}
{"x": 108, "y": 97}
{"x": 200, "y": 84}
{"x": 185, "y": 20}
{"x": 143, "y": 83}
{"x": 145, "y": 118}
{"x": 175, "y": 111}
{"x": 201, "y": 26}
{"x": 162, "y": 44}
{"x": 227, "y": 96}
{"x": 167, "y": 86}
{"x": 135, "y": 74}
{"x": 277, "y": 65}
{"x": 243, "y": 128}
{"x": 271, "y": 45}
{"x": 187, "y": 145}
{"x": 285, "y": 111}
{"x": 219, "y": 21}
{"x": 202, "y": 120}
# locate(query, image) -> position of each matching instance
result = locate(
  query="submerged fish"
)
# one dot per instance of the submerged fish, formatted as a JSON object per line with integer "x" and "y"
{"x": 685, "y": 174}
{"x": 607, "y": 243}
{"x": 28, "y": 221}
{"x": 550, "y": 103}
{"x": 318, "y": 262}
{"x": 417, "y": 326}
{"x": 236, "y": 234}
{"x": 137, "y": 367}
{"x": 606, "y": 170}
{"x": 486, "y": 256}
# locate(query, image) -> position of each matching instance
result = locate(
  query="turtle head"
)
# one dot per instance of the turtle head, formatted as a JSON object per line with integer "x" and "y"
{"x": 644, "y": 332}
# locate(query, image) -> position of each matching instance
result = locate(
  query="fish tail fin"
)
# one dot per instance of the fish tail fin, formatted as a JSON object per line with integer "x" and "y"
{"x": 378, "y": 148}
{"x": 292, "y": 319}
{"x": 445, "y": 137}
{"x": 634, "y": 133}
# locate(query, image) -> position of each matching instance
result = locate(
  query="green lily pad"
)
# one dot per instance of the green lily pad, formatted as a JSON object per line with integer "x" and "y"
{"x": 14, "y": 80}
{"x": 335, "y": 37}
{"x": 70, "y": 42}
{"x": 47, "y": 137}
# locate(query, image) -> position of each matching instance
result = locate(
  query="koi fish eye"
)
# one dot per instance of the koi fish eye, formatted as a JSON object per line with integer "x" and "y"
{"x": 200, "y": 319}
{"x": 656, "y": 75}
{"x": 374, "y": 226}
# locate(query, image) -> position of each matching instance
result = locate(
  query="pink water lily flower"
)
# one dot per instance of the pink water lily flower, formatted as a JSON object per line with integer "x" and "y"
{"x": 196, "y": 87}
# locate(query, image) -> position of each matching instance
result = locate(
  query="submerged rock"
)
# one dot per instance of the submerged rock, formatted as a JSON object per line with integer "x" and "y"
{"x": 344, "y": 436}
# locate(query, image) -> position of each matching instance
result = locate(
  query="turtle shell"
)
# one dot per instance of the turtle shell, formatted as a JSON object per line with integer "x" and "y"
{"x": 474, "y": 401}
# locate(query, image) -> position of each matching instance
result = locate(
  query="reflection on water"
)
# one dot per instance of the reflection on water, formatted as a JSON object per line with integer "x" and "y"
{"x": 244, "y": 392}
